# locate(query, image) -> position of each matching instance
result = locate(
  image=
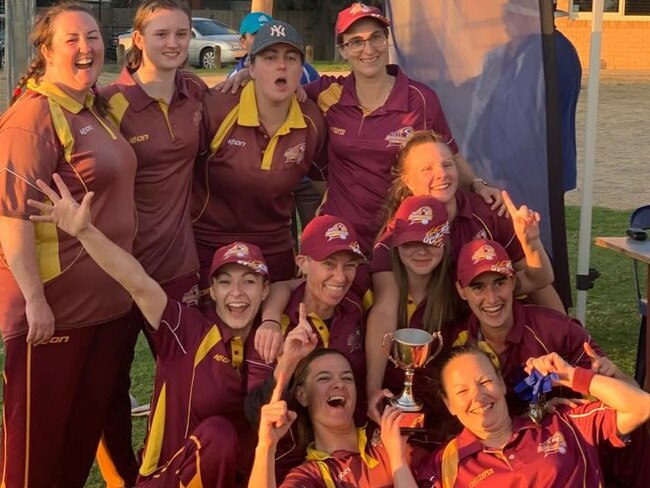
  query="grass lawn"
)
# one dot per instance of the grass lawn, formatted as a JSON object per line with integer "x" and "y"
{"x": 611, "y": 311}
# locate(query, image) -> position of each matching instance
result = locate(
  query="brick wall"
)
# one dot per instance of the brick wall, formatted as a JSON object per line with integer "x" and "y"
{"x": 625, "y": 43}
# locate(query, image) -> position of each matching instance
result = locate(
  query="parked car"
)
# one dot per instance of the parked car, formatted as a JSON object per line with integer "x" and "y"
{"x": 212, "y": 44}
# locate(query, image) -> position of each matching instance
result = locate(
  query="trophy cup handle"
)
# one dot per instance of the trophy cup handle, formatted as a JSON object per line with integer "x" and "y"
{"x": 436, "y": 336}
{"x": 386, "y": 343}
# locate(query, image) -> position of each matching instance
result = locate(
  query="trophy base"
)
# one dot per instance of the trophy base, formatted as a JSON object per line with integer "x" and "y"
{"x": 411, "y": 422}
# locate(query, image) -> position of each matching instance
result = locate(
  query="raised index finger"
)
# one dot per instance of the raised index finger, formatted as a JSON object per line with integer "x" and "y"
{"x": 279, "y": 387}
{"x": 512, "y": 210}
{"x": 51, "y": 194}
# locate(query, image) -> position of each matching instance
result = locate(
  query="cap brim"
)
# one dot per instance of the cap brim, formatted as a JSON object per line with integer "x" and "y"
{"x": 379, "y": 18}
{"x": 272, "y": 42}
{"x": 322, "y": 253}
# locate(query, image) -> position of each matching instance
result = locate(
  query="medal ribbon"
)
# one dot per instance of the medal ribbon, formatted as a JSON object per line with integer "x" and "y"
{"x": 535, "y": 385}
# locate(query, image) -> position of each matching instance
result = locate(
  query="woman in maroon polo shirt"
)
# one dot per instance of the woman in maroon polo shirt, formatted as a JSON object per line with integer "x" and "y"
{"x": 158, "y": 108}
{"x": 425, "y": 166}
{"x": 497, "y": 450}
{"x": 197, "y": 435}
{"x": 338, "y": 453}
{"x": 65, "y": 323}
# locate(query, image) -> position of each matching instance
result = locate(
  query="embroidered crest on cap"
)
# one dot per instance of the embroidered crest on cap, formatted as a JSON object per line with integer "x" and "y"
{"x": 422, "y": 215}
{"x": 436, "y": 236}
{"x": 358, "y": 8}
{"x": 239, "y": 250}
{"x": 278, "y": 31}
{"x": 337, "y": 231}
{"x": 503, "y": 267}
{"x": 484, "y": 253}
{"x": 257, "y": 266}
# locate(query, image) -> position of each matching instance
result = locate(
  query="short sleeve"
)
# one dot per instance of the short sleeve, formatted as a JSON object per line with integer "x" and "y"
{"x": 381, "y": 255}
{"x": 26, "y": 157}
{"x": 180, "y": 329}
{"x": 596, "y": 422}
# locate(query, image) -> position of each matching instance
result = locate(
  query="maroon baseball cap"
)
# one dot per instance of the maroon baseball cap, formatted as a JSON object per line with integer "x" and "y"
{"x": 248, "y": 255}
{"x": 421, "y": 219}
{"x": 327, "y": 234}
{"x": 482, "y": 256}
{"x": 358, "y": 11}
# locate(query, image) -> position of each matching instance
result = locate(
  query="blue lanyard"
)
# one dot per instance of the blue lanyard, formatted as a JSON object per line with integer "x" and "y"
{"x": 535, "y": 386}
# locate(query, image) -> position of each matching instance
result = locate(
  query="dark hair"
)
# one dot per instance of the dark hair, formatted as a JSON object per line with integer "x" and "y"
{"x": 442, "y": 304}
{"x": 398, "y": 190}
{"x": 303, "y": 422}
{"x": 41, "y": 36}
{"x": 448, "y": 355}
{"x": 133, "y": 58}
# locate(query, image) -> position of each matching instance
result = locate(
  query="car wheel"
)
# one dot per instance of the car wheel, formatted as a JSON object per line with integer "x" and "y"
{"x": 210, "y": 58}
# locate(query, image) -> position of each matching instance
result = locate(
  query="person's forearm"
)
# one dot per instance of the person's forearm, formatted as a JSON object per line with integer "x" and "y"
{"x": 276, "y": 302}
{"x": 377, "y": 326}
{"x": 465, "y": 171}
{"x": 632, "y": 404}
{"x": 263, "y": 472}
{"x": 127, "y": 271}
{"x": 403, "y": 478}
{"x": 19, "y": 247}
{"x": 538, "y": 271}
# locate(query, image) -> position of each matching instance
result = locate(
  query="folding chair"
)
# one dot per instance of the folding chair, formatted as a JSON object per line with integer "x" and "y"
{"x": 640, "y": 218}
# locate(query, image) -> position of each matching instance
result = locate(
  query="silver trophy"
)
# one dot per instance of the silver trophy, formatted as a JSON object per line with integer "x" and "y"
{"x": 409, "y": 349}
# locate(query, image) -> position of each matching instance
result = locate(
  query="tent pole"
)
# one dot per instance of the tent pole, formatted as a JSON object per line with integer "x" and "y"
{"x": 593, "y": 86}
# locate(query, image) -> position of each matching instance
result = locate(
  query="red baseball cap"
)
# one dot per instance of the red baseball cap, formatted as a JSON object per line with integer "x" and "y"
{"x": 421, "y": 219}
{"x": 327, "y": 234}
{"x": 482, "y": 256}
{"x": 248, "y": 255}
{"x": 358, "y": 11}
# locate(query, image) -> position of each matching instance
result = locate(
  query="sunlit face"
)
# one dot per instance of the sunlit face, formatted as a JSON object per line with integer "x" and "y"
{"x": 276, "y": 71}
{"x": 475, "y": 394}
{"x": 430, "y": 169}
{"x": 328, "y": 281}
{"x": 75, "y": 58}
{"x": 164, "y": 39}
{"x": 329, "y": 391}
{"x": 420, "y": 259}
{"x": 371, "y": 61}
{"x": 238, "y": 293}
{"x": 490, "y": 296}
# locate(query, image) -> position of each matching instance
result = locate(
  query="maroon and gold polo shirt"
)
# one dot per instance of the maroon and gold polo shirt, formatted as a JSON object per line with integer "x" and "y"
{"x": 200, "y": 372}
{"x": 367, "y": 468}
{"x": 536, "y": 331}
{"x": 344, "y": 333}
{"x": 474, "y": 220}
{"x": 165, "y": 139}
{"x": 48, "y": 132}
{"x": 243, "y": 187}
{"x": 559, "y": 453}
{"x": 362, "y": 147}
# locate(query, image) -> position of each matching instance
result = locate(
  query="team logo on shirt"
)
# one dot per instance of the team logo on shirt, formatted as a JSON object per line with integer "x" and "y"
{"x": 436, "y": 236}
{"x": 85, "y": 130}
{"x": 422, "y": 215}
{"x": 295, "y": 154}
{"x": 338, "y": 131}
{"x": 139, "y": 138}
{"x": 553, "y": 444}
{"x": 399, "y": 137}
{"x": 198, "y": 115}
{"x": 354, "y": 341}
{"x": 337, "y": 231}
{"x": 481, "y": 477}
{"x": 239, "y": 250}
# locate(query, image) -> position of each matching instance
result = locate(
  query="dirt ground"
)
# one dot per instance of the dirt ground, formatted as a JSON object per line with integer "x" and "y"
{"x": 622, "y": 169}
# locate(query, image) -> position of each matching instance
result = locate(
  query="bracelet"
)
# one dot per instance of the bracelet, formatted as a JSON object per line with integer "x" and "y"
{"x": 273, "y": 321}
{"x": 581, "y": 380}
{"x": 485, "y": 183}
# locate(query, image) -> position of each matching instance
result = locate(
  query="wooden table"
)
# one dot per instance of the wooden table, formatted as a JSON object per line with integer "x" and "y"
{"x": 639, "y": 250}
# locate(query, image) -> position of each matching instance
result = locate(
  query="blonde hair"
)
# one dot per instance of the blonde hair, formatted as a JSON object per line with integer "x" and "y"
{"x": 133, "y": 59}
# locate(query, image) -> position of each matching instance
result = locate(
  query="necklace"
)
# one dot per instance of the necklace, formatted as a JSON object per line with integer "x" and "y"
{"x": 369, "y": 108}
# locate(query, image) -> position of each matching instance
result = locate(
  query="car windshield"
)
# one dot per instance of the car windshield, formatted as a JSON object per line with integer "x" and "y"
{"x": 211, "y": 28}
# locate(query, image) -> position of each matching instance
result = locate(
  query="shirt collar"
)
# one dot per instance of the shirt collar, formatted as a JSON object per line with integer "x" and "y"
{"x": 315, "y": 455}
{"x": 54, "y": 92}
{"x": 397, "y": 99}
{"x": 139, "y": 99}
{"x": 249, "y": 116}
